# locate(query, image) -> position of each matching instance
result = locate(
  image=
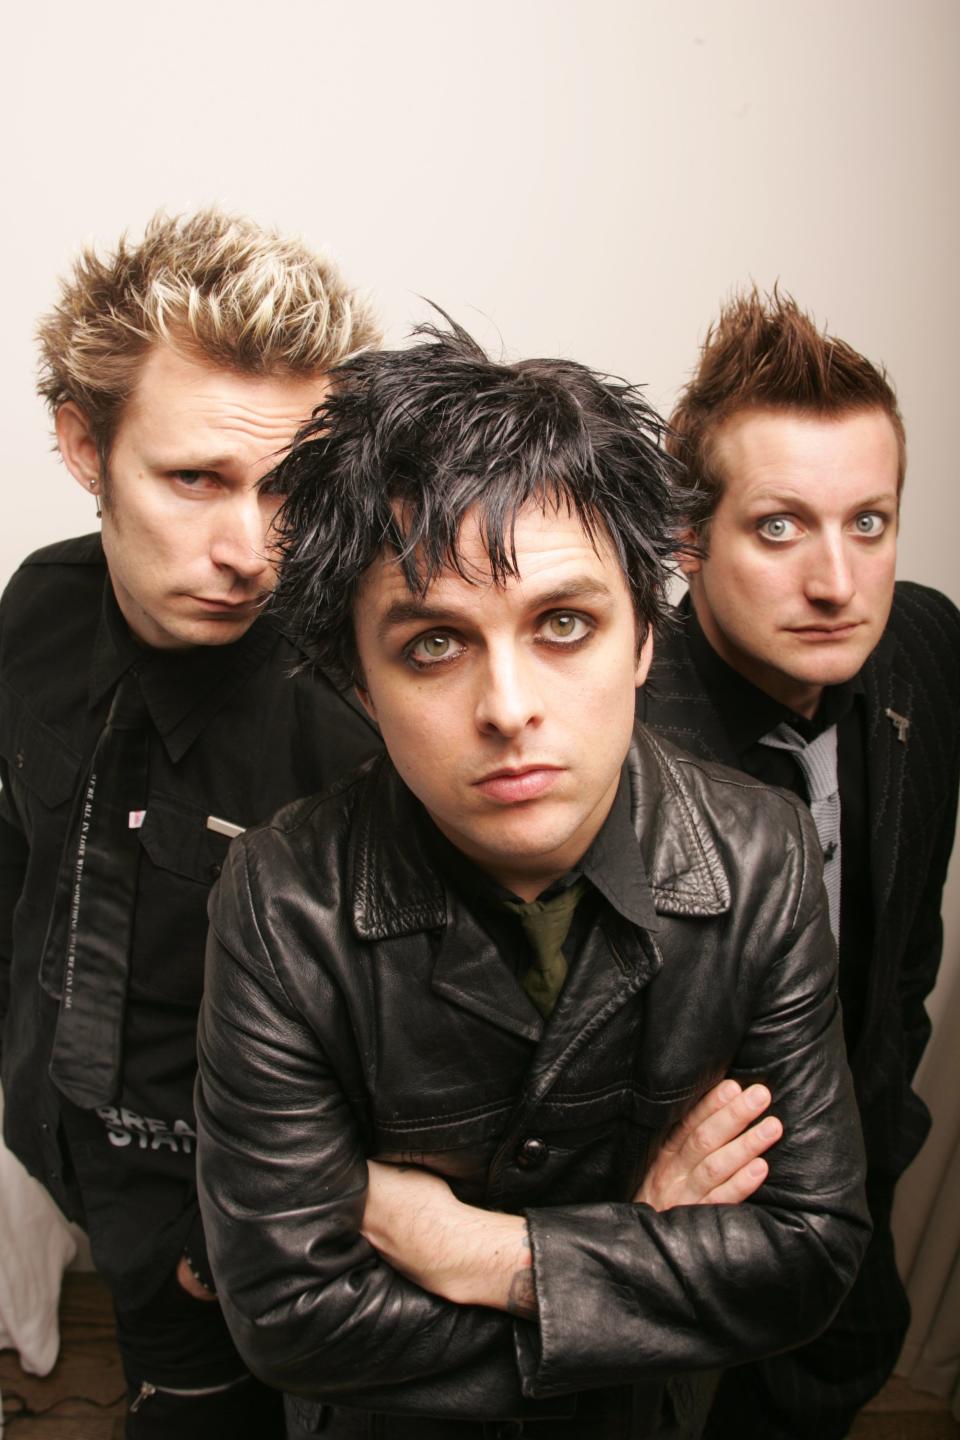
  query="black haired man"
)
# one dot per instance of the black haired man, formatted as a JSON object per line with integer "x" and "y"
{"x": 458, "y": 1011}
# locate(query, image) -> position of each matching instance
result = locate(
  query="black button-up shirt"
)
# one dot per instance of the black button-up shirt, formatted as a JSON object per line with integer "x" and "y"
{"x": 613, "y": 864}
{"x": 233, "y": 736}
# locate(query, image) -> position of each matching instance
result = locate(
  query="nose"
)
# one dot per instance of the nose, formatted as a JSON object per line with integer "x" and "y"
{"x": 240, "y": 534}
{"x": 510, "y": 697}
{"x": 830, "y": 578}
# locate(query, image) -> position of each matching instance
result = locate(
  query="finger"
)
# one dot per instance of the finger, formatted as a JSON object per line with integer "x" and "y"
{"x": 721, "y": 1095}
{"x": 740, "y": 1186}
{"x": 729, "y": 1121}
{"x": 721, "y": 1165}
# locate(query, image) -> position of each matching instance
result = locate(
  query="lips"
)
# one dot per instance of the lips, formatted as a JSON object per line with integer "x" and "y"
{"x": 512, "y": 786}
{"x": 228, "y": 607}
{"x": 826, "y": 632}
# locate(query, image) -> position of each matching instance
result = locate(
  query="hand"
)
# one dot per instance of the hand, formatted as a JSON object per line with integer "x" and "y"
{"x": 712, "y": 1157}
{"x": 459, "y": 1252}
{"x": 189, "y": 1282}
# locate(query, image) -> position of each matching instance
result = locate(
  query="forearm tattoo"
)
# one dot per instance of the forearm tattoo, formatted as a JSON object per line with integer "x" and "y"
{"x": 522, "y": 1295}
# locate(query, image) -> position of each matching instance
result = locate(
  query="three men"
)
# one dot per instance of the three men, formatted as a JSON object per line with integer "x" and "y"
{"x": 146, "y": 715}
{"x": 800, "y": 662}
{"x": 457, "y": 1008}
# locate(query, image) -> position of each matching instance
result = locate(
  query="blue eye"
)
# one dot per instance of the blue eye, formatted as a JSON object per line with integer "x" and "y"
{"x": 778, "y": 528}
{"x": 870, "y": 523}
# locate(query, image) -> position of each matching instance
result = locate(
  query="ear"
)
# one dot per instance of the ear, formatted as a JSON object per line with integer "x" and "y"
{"x": 78, "y": 447}
{"x": 366, "y": 701}
{"x": 645, "y": 658}
{"x": 688, "y": 562}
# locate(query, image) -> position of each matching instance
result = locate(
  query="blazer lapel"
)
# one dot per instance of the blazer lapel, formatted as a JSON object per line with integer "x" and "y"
{"x": 889, "y": 718}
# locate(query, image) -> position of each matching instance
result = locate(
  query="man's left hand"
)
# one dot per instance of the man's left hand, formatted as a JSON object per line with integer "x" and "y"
{"x": 714, "y": 1156}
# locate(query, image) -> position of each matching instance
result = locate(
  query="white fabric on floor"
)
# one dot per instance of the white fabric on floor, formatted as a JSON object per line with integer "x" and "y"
{"x": 36, "y": 1246}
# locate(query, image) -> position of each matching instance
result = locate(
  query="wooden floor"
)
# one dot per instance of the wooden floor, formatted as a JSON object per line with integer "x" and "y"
{"x": 83, "y": 1397}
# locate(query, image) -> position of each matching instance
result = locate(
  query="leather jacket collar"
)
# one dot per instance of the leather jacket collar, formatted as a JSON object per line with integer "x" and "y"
{"x": 396, "y": 892}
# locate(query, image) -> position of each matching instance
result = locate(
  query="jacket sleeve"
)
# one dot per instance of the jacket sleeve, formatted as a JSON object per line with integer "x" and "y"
{"x": 624, "y": 1289}
{"x": 924, "y": 947}
{"x": 625, "y": 1293}
{"x": 312, "y": 1307}
{"x": 14, "y": 853}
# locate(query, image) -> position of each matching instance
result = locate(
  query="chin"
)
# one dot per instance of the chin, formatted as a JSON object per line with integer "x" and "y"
{"x": 203, "y": 634}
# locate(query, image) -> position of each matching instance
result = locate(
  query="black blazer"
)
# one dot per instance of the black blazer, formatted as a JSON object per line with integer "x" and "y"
{"x": 914, "y": 673}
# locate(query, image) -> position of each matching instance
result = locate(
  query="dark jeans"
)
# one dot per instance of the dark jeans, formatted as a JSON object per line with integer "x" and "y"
{"x": 675, "y": 1412}
{"x": 184, "y": 1376}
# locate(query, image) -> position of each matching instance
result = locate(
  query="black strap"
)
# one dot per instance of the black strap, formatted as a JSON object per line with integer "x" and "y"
{"x": 85, "y": 1063}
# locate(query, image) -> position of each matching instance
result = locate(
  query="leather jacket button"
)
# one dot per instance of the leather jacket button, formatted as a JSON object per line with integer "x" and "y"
{"x": 532, "y": 1153}
{"x": 215, "y": 869}
{"x": 19, "y": 759}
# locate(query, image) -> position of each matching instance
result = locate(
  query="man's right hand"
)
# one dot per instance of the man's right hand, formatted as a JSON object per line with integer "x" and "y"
{"x": 712, "y": 1157}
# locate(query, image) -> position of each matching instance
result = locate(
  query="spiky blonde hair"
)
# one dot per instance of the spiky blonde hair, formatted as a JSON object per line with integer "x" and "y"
{"x": 216, "y": 287}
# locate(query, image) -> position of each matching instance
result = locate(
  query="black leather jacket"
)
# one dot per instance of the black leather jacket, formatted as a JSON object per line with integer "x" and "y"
{"x": 353, "y": 1008}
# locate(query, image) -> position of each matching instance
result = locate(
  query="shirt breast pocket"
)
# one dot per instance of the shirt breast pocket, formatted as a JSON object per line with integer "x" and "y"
{"x": 180, "y": 861}
{"x": 41, "y": 767}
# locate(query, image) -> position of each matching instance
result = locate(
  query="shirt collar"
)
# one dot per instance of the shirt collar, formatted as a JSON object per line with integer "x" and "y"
{"x": 613, "y": 864}
{"x": 182, "y": 689}
{"x": 747, "y": 712}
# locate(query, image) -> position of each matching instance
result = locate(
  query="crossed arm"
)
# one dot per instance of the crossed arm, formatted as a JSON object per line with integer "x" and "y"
{"x": 291, "y": 1203}
{"x": 469, "y": 1256}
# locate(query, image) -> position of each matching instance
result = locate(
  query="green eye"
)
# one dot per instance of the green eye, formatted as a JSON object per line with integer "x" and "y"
{"x": 563, "y": 626}
{"x": 436, "y": 646}
{"x": 433, "y": 650}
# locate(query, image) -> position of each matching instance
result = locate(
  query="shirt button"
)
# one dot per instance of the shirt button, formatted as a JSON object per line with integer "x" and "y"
{"x": 532, "y": 1153}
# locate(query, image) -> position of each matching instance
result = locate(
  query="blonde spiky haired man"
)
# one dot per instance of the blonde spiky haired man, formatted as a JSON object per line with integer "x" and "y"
{"x": 147, "y": 715}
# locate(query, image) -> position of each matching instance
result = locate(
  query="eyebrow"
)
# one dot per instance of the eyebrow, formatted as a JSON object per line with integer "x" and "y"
{"x": 413, "y": 611}
{"x": 792, "y": 498}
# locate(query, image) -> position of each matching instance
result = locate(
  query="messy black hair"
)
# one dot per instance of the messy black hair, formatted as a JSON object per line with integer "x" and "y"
{"x": 408, "y": 441}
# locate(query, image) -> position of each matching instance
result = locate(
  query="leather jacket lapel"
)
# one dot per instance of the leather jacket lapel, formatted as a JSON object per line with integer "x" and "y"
{"x": 469, "y": 972}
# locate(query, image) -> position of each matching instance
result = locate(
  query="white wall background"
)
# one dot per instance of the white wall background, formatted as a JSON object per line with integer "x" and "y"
{"x": 586, "y": 177}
